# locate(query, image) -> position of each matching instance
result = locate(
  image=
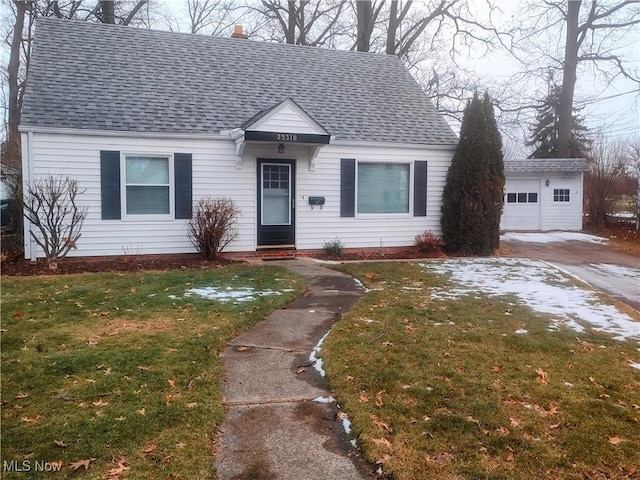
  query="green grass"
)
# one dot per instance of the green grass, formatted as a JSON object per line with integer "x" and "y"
{"x": 110, "y": 367}
{"x": 444, "y": 389}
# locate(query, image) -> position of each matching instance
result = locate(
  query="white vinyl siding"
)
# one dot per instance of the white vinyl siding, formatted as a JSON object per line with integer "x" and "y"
{"x": 215, "y": 174}
{"x": 557, "y": 206}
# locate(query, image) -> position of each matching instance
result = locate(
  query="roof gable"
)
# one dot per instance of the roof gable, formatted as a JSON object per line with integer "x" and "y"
{"x": 286, "y": 116}
{"x": 109, "y": 77}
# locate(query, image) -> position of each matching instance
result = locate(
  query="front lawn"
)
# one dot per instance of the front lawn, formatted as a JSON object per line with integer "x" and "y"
{"x": 443, "y": 381}
{"x": 117, "y": 375}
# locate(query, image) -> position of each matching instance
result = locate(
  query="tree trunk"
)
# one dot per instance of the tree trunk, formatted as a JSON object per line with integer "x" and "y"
{"x": 392, "y": 28}
{"x": 108, "y": 11}
{"x": 290, "y": 34}
{"x": 15, "y": 107}
{"x": 568, "y": 79}
{"x": 364, "y": 14}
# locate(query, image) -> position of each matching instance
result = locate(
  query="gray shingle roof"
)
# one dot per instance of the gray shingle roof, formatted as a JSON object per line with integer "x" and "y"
{"x": 108, "y": 77}
{"x": 546, "y": 165}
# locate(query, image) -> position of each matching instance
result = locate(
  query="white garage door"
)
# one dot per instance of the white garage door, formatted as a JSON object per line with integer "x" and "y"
{"x": 521, "y": 205}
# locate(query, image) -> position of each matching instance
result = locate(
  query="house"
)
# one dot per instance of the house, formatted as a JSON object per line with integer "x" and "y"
{"x": 543, "y": 194}
{"x": 311, "y": 144}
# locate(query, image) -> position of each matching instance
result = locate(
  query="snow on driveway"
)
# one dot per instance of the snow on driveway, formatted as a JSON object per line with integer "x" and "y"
{"x": 550, "y": 237}
{"x": 538, "y": 285}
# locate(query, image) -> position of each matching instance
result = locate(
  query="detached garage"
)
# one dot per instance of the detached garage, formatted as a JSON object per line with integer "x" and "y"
{"x": 543, "y": 194}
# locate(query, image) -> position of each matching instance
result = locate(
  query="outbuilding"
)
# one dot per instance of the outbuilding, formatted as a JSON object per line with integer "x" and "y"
{"x": 311, "y": 144}
{"x": 543, "y": 194}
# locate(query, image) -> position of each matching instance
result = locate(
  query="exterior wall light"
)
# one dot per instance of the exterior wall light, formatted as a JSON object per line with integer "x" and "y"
{"x": 547, "y": 182}
{"x": 281, "y": 148}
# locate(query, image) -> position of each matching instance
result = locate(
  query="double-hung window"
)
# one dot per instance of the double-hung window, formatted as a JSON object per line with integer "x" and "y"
{"x": 148, "y": 185}
{"x": 561, "y": 195}
{"x": 383, "y": 187}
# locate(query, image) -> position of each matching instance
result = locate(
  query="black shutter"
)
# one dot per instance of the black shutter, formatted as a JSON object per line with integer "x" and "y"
{"x": 347, "y": 187}
{"x": 182, "y": 164}
{"x": 419, "y": 188}
{"x": 110, "y": 184}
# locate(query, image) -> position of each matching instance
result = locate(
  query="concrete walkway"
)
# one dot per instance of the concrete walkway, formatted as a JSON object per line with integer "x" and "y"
{"x": 273, "y": 428}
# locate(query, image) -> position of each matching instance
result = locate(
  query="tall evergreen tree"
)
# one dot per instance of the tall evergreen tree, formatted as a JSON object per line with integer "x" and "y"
{"x": 545, "y": 131}
{"x": 473, "y": 195}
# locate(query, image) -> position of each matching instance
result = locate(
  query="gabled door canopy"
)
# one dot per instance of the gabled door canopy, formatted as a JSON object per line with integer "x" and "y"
{"x": 284, "y": 123}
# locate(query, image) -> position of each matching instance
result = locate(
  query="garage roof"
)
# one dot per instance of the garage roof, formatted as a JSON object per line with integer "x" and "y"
{"x": 546, "y": 165}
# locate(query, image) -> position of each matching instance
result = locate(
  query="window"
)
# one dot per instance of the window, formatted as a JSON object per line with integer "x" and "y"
{"x": 522, "y": 197}
{"x": 561, "y": 195}
{"x": 383, "y": 188}
{"x": 148, "y": 186}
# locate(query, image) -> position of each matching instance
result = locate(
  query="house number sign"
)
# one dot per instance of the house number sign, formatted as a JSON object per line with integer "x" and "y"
{"x": 286, "y": 137}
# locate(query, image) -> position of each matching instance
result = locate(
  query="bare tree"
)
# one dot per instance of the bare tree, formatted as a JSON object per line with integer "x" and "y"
{"x": 51, "y": 205}
{"x": 212, "y": 16}
{"x": 596, "y": 34}
{"x": 301, "y": 22}
{"x": 608, "y": 180}
{"x": 367, "y": 14}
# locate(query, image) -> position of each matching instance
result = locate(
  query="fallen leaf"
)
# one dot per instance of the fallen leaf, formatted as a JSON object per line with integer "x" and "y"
{"x": 301, "y": 369}
{"x": 35, "y": 419}
{"x": 615, "y": 440}
{"x": 18, "y": 315}
{"x": 369, "y": 275}
{"x": 363, "y": 397}
{"x": 350, "y": 378}
{"x": 21, "y": 395}
{"x": 100, "y": 403}
{"x": 554, "y": 426}
{"x": 387, "y": 344}
{"x": 543, "y": 377}
{"x": 60, "y": 443}
{"x": 171, "y": 382}
{"x": 502, "y": 431}
{"x": 496, "y": 369}
{"x": 409, "y": 329}
{"x": 181, "y": 445}
{"x": 142, "y": 411}
{"x": 380, "y": 424}
{"x": 379, "y": 403}
{"x": 243, "y": 348}
{"x": 107, "y": 371}
{"x": 81, "y": 463}
{"x": 383, "y": 442}
{"x": 116, "y": 471}
{"x": 514, "y": 422}
{"x": 553, "y": 409}
{"x": 192, "y": 405}
{"x": 510, "y": 457}
{"x": 90, "y": 380}
{"x": 143, "y": 368}
{"x": 150, "y": 449}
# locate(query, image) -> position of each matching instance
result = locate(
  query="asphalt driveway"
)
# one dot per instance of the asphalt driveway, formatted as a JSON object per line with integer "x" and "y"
{"x": 585, "y": 256}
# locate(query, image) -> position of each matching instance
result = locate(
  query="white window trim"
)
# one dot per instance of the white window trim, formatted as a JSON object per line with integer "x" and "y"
{"x": 561, "y": 202}
{"x": 262, "y": 194}
{"x": 123, "y": 189}
{"x": 408, "y": 214}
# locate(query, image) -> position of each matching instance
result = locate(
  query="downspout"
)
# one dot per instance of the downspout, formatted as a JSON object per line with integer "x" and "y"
{"x": 27, "y": 179}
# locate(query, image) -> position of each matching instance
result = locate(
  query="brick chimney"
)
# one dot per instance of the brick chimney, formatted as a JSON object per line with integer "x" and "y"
{"x": 238, "y": 32}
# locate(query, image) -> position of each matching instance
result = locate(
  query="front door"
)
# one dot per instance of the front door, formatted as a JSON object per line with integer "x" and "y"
{"x": 276, "y": 203}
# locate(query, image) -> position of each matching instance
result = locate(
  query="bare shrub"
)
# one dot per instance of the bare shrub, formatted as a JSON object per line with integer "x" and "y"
{"x": 50, "y": 204}
{"x": 333, "y": 248}
{"x": 213, "y": 225}
{"x": 429, "y": 244}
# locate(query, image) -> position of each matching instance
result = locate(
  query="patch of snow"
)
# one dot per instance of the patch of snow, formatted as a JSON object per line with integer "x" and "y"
{"x": 522, "y": 331}
{"x": 328, "y": 399}
{"x": 354, "y": 443}
{"x": 635, "y": 365}
{"x": 412, "y": 288}
{"x": 618, "y": 270}
{"x": 173, "y": 297}
{"x": 539, "y": 286}
{"x": 314, "y": 356}
{"x": 568, "y": 384}
{"x": 550, "y": 237}
{"x": 238, "y": 294}
{"x": 346, "y": 423}
{"x": 312, "y": 311}
{"x": 361, "y": 285}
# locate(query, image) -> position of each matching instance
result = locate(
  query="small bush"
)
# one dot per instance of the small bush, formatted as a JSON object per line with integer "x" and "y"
{"x": 429, "y": 244}
{"x": 333, "y": 248}
{"x": 213, "y": 225}
{"x": 12, "y": 247}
